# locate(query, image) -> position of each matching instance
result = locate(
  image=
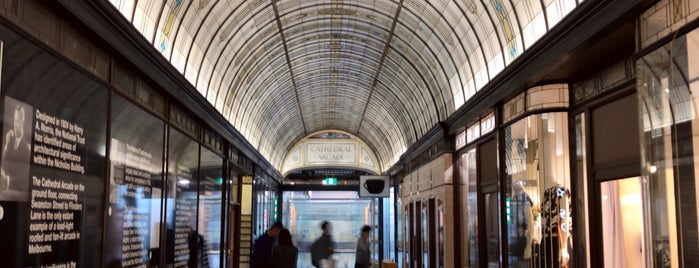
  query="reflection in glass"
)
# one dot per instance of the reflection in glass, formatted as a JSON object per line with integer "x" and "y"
{"x": 232, "y": 211}
{"x": 264, "y": 204}
{"x": 400, "y": 231}
{"x": 408, "y": 234}
{"x": 492, "y": 229}
{"x": 181, "y": 201}
{"x": 469, "y": 200}
{"x": 389, "y": 231}
{"x": 622, "y": 223}
{"x": 425, "y": 234}
{"x": 581, "y": 183}
{"x": 538, "y": 198}
{"x": 210, "y": 208}
{"x": 135, "y": 182}
{"x": 667, "y": 99}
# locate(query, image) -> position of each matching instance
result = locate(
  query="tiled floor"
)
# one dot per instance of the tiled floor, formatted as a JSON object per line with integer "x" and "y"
{"x": 342, "y": 260}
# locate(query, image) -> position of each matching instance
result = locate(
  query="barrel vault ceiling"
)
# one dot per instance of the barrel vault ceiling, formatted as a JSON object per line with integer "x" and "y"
{"x": 386, "y": 71}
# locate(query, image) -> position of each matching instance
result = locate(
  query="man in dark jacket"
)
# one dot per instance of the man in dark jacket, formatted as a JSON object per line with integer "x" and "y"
{"x": 323, "y": 247}
{"x": 262, "y": 250}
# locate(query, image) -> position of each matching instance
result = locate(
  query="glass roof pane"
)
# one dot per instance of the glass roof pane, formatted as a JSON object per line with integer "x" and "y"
{"x": 204, "y": 77}
{"x": 145, "y": 17}
{"x": 441, "y": 52}
{"x": 178, "y": 59}
{"x": 528, "y": 13}
{"x": 125, "y": 7}
{"x": 167, "y": 26}
{"x": 193, "y": 65}
{"x": 510, "y": 30}
{"x": 466, "y": 75}
{"x": 535, "y": 30}
{"x": 558, "y": 9}
{"x": 481, "y": 74}
{"x": 215, "y": 93}
{"x": 203, "y": 84}
{"x": 496, "y": 65}
{"x": 410, "y": 81}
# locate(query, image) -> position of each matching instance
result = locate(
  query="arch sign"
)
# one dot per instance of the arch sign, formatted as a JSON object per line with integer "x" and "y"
{"x": 331, "y": 149}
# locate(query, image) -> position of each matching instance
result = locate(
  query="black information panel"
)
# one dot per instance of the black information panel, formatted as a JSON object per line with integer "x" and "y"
{"x": 181, "y": 200}
{"x": 135, "y": 183}
{"x": 53, "y": 160}
{"x": 210, "y": 208}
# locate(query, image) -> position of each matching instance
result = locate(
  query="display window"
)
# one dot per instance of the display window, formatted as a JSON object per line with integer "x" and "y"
{"x": 492, "y": 229}
{"x": 668, "y": 99}
{"x": 135, "y": 186}
{"x": 469, "y": 201}
{"x": 622, "y": 223}
{"x": 538, "y": 192}
{"x": 210, "y": 209}
{"x": 181, "y": 198}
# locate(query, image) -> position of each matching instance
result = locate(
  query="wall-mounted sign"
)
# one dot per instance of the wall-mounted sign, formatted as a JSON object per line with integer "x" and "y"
{"x": 374, "y": 186}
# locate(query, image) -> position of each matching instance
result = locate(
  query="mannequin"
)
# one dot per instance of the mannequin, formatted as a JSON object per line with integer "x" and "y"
{"x": 555, "y": 220}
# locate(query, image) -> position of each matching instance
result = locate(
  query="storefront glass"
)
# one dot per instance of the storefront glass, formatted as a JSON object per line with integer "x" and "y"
{"x": 210, "y": 208}
{"x": 469, "y": 202}
{"x": 537, "y": 201}
{"x": 492, "y": 229}
{"x": 581, "y": 200}
{"x": 667, "y": 86}
{"x": 622, "y": 223}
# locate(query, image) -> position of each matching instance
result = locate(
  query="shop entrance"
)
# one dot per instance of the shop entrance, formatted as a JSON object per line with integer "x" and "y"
{"x": 623, "y": 223}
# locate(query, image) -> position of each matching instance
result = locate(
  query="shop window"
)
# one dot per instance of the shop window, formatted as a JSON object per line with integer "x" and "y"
{"x": 469, "y": 203}
{"x": 537, "y": 200}
{"x": 667, "y": 81}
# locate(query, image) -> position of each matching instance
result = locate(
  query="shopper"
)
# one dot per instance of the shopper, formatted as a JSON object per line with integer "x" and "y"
{"x": 323, "y": 247}
{"x": 363, "y": 256}
{"x": 262, "y": 250}
{"x": 285, "y": 254}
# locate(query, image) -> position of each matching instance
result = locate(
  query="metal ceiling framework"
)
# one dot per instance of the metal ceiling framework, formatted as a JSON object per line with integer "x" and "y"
{"x": 385, "y": 71}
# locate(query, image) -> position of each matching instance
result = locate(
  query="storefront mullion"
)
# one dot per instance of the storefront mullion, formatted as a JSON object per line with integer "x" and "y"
{"x": 581, "y": 211}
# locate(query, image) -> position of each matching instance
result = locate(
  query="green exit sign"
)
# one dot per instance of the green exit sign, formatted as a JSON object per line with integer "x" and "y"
{"x": 330, "y": 181}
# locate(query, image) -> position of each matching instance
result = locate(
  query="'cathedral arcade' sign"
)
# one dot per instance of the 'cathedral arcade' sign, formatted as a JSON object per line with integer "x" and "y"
{"x": 329, "y": 153}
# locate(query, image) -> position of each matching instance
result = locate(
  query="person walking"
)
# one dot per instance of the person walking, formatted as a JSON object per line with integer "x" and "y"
{"x": 264, "y": 244}
{"x": 363, "y": 256}
{"x": 285, "y": 254}
{"x": 323, "y": 247}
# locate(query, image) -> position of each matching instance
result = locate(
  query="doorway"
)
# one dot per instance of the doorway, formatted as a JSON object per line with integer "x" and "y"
{"x": 305, "y": 211}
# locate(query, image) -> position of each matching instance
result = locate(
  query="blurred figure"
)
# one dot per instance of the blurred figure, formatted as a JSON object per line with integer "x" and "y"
{"x": 197, "y": 251}
{"x": 363, "y": 256}
{"x": 262, "y": 251}
{"x": 324, "y": 246}
{"x": 285, "y": 254}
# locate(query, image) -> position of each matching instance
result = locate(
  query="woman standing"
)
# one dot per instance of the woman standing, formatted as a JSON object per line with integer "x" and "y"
{"x": 363, "y": 257}
{"x": 285, "y": 253}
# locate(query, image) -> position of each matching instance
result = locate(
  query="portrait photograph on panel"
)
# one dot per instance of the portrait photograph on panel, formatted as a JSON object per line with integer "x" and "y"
{"x": 16, "y": 150}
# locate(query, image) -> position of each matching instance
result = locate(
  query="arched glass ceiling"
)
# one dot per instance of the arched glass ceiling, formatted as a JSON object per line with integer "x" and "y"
{"x": 385, "y": 71}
